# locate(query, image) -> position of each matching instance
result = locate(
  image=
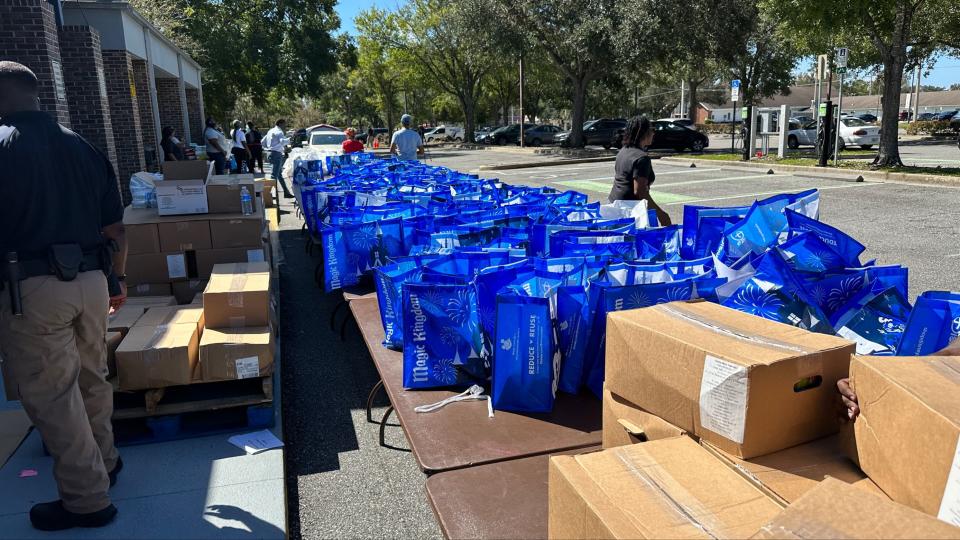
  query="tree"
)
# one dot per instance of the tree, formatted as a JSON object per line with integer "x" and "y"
{"x": 378, "y": 65}
{"x": 890, "y": 33}
{"x": 578, "y": 36}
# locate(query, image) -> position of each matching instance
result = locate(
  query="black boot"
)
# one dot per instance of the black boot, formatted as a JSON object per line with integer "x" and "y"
{"x": 116, "y": 470}
{"x": 52, "y": 516}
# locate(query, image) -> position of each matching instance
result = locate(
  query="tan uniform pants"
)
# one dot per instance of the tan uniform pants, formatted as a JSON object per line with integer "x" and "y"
{"x": 56, "y": 355}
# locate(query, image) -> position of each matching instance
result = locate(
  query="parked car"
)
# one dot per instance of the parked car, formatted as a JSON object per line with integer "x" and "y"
{"x": 853, "y": 132}
{"x": 685, "y": 122}
{"x": 595, "y": 132}
{"x": 946, "y": 115}
{"x": 669, "y": 134}
{"x": 955, "y": 123}
{"x": 867, "y": 117}
{"x": 505, "y": 135}
{"x": 362, "y": 137}
{"x": 301, "y": 136}
{"x": 480, "y": 132}
{"x": 926, "y": 116}
{"x": 444, "y": 133}
{"x": 326, "y": 141}
{"x": 541, "y": 134}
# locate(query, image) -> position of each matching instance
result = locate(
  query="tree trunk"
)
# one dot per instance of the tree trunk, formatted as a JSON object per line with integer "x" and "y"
{"x": 468, "y": 104}
{"x": 579, "y": 111}
{"x": 888, "y": 153}
{"x": 692, "y": 102}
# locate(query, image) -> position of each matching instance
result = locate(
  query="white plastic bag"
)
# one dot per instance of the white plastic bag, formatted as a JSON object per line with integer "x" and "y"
{"x": 624, "y": 209}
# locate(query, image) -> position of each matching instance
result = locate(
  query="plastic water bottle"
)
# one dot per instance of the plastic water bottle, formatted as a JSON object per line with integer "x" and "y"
{"x": 246, "y": 201}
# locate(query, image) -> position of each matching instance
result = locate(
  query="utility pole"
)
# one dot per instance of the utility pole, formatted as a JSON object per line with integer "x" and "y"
{"x": 682, "y": 96}
{"x": 842, "y": 69}
{"x": 916, "y": 95}
{"x": 521, "y": 101}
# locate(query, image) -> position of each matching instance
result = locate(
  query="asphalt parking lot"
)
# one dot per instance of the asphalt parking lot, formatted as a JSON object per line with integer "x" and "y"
{"x": 341, "y": 483}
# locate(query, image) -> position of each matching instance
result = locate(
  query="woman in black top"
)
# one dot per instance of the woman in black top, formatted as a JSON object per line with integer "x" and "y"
{"x": 633, "y": 170}
{"x": 171, "y": 146}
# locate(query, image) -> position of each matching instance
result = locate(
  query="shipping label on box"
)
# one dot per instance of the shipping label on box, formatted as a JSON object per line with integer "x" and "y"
{"x": 184, "y": 235}
{"x": 156, "y": 268}
{"x": 237, "y": 231}
{"x": 236, "y": 353}
{"x": 669, "y": 488}
{"x": 625, "y": 423}
{"x": 908, "y": 431}
{"x": 156, "y": 357}
{"x": 748, "y": 385}
{"x": 835, "y": 509}
{"x": 238, "y": 295}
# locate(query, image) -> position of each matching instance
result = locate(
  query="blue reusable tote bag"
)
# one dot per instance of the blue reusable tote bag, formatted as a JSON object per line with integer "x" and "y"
{"x": 934, "y": 323}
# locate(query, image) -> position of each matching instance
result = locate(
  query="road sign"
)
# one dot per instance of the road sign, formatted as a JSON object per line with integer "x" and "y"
{"x": 743, "y": 112}
{"x": 841, "y": 59}
{"x": 841, "y": 70}
{"x": 735, "y": 90}
{"x": 822, "y": 111}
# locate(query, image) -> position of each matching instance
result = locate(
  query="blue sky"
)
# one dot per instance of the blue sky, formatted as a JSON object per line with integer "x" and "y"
{"x": 945, "y": 72}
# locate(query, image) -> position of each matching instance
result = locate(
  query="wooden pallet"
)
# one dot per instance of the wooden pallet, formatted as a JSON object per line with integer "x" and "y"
{"x": 201, "y": 396}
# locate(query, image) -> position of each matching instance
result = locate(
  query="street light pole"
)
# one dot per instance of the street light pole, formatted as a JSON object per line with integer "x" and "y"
{"x": 521, "y": 101}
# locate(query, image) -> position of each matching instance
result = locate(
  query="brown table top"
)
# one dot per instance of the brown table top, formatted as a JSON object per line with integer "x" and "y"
{"x": 498, "y": 500}
{"x": 460, "y": 434}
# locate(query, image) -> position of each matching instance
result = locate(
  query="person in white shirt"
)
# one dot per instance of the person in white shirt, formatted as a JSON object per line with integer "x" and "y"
{"x": 275, "y": 141}
{"x": 406, "y": 143}
{"x": 215, "y": 150}
{"x": 240, "y": 150}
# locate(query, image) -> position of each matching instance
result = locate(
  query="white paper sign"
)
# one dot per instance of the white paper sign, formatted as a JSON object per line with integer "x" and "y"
{"x": 256, "y": 442}
{"x": 950, "y": 503}
{"x": 723, "y": 398}
{"x": 176, "y": 266}
{"x": 248, "y": 368}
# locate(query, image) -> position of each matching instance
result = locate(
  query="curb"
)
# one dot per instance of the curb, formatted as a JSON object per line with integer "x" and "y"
{"x": 836, "y": 174}
{"x": 531, "y": 165}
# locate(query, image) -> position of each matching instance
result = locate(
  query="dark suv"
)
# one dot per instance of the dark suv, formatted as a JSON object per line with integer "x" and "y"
{"x": 595, "y": 132}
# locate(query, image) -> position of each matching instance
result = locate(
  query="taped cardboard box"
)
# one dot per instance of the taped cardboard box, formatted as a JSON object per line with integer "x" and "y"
{"x": 149, "y": 289}
{"x": 209, "y": 258}
{"x": 237, "y": 231}
{"x": 625, "y": 423}
{"x": 162, "y": 316}
{"x": 157, "y": 356}
{"x": 236, "y": 353}
{"x": 908, "y": 431}
{"x": 223, "y": 193}
{"x": 186, "y": 291}
{"x": 238, "y": 295}
{"x": 670, "y": 488}
{"x": 184, "y": 235}
{"x": 125, "y": 318}
{"x": 183, "y": 189}
{"x": 151, "y": 301}
{"x": 788, "y": 474}
{"x": 834, "y": 509}
{"x": 156, "y": 268}
{"x": 748, "y": 385}
{"x": 142, "y": 238}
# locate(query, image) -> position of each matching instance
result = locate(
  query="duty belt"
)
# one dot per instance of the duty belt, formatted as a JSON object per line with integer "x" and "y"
{"x": 42, "y": 267}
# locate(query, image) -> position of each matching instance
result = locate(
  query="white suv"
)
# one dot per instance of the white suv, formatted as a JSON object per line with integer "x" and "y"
{"x": 444, "y": 133}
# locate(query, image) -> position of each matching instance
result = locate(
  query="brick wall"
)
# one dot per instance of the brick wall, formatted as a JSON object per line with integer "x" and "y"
{"x": 125, "y": 116}
{"x": 86, "y": 88}
{"x": 168, "y": 99}
{"x": 148, "y": 130}
{"x": 28, "y": 35}
{"x": 193, "y": 108}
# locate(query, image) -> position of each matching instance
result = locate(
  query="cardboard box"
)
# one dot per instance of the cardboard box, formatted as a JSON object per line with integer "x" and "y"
{"x": 151, "y": 301}
{"x": 125, "y": 318}
{"x": 625, "y": 423}
{"x": 670, "y": 488}
{"x": 160, "y": 316}
{"x": 184, "y": 235}
{"x": 156, "y": 268}
{"x": 748, "y": 385}
{"x": 834, "y": 509}
{"x": 236, "y": 353}
{"x": 908, "y": 431}
{"x": 208, "y": 258}
{"x": 142, "y": 238}
{"x": 788, "y": 474}
{"x": 238, "y": 295}
{"x": 183, "y": 189}
{"x": 113, "y": 341}
{"x": 267, "y": 199}
{"x": 238, "y": 231}
{"x": 186, "y": 291}
{"x": 149, "y": 289}
{"x": 223, "y": 193}
{"x": 157, "y": 356}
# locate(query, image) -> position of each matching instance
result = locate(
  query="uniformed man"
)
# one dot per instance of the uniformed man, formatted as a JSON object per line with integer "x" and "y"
{"x": 61, "y": 204}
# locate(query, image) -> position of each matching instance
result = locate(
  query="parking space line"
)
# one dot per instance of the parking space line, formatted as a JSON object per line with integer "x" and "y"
{"x": 688, "y": 171}
{"x": 710, "y": 180}
{"x": 747, "y": 195}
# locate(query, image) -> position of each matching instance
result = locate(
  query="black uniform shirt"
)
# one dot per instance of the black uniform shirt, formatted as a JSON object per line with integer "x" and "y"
{"x": 631, "y": 163}
{"x": 55, "y": 188}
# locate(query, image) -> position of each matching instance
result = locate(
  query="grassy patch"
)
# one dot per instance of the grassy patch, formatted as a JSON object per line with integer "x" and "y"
{"x": 853, "y": 160}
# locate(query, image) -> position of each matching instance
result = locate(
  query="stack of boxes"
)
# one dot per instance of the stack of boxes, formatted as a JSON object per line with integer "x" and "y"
{"x": 715, "y": 421}
{"x": 197, "y": 239}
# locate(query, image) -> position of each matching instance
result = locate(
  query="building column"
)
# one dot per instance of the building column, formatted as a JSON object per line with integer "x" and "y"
{"x": 125, "y": 114}
{"x": 182, "y": 93}
{"x": 171, "y": 107}
{"x": 196, "y": 115}
{"x": 28, "y": 35}
{"x": 87, "y": 88}
{"x": 148, "y": 127}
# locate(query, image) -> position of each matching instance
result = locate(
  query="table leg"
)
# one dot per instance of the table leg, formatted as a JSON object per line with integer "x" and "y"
{"x": 383, "y": 429}
{"x": 370, "y": 396}
{"x": 333, "y": 316}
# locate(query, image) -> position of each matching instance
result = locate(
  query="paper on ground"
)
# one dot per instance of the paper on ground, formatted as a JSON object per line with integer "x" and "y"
{"x": 256, "y": 442}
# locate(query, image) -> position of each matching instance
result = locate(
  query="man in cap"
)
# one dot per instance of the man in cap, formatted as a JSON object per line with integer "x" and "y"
{"x": 406, "y": 143}
{"x": 59, "y": 215}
